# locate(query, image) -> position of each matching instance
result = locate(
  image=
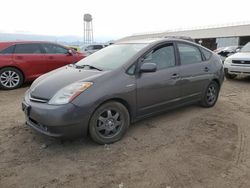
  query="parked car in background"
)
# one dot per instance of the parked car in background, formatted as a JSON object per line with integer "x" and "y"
{"x": 25, "y": 61}
{"x": 225, "y": 52}
{"x": 122, "y": 83}
{"x": 238, "y": 63}
{"x": 90, "y": 49}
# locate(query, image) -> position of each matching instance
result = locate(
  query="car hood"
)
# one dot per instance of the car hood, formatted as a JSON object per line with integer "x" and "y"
{"x": 46, "y": 86}
{"x": 240, "y": 56}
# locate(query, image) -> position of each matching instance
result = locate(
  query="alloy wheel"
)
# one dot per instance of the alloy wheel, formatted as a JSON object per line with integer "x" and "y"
{"x": 109, "y": 123}
{"x": 211, "y": 94}
{"x": 9, "y": 79}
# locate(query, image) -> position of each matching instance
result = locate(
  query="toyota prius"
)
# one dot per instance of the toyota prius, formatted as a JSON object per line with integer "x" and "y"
{"x": 102, "y": 94}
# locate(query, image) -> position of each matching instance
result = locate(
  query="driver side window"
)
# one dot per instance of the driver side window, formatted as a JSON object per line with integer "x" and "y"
{"x": 163, "y": 57}
{"x": 54, "y": 49}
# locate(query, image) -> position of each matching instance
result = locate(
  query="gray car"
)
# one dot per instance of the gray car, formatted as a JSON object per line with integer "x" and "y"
{"x": 102, "y": 94}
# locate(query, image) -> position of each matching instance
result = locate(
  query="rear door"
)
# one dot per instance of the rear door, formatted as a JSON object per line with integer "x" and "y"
{"x": 31, "y": 58}
{"x": 57, "y": 56}
{"x": 159, "y": 90}
{"x": 194, "y": 71}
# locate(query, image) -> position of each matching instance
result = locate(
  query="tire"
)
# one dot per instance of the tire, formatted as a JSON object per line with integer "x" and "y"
{"x": 211, "y": 94}
{"x": 10, "y": 78}
{"x": 109, "y": 123}
{"x": 229, "y": 76}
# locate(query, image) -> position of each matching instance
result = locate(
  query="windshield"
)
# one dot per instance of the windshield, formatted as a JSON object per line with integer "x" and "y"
{"x": 246, "y": 48}
{"x": 112, "y": 56}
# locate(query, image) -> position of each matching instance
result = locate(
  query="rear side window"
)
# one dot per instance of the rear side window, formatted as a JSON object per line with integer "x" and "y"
{"x": 8, "y": 50}
{"x": 28, "y": 49}
{"x": 189, "y": 54}
{"x": 54, "y": 49}
{"x": 207, "y": 54}
{"x": 163, "y": 56}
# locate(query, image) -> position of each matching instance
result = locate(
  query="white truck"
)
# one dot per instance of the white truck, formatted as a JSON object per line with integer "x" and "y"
{"x": 238, "y": 63}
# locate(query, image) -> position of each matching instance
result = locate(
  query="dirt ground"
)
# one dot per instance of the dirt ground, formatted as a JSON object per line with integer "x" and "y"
{"x": 188, "y": 147}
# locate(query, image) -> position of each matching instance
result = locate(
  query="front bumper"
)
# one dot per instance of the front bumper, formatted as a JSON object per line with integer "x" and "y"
{"x": 238, "y": 69}
{"x": 62, "y": 121}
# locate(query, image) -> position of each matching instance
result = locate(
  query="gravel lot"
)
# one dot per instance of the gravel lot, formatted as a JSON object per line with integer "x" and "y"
{"x": 187, "y": 147}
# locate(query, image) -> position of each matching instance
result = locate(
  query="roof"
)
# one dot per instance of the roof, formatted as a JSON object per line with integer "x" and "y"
{"x": 9, "y": 43}
{"x": 152, "y": 40}
{"x": 24, "y": 41}
{"x": 141, "y": 41}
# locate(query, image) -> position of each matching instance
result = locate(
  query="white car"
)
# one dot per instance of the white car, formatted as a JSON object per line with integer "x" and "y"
{"x": 92, "y": 48}
{"x": 238, "y": 63}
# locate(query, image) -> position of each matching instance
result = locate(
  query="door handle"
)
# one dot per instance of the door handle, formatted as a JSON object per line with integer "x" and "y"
{"x": 206, "y": 69}
{"x": 19, "y": 57}
{"x": 51, "y": 57}
{"x": 175, "y": 76}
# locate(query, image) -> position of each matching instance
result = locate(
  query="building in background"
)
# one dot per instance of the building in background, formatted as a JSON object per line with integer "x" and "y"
{"x": 211, "y": 37}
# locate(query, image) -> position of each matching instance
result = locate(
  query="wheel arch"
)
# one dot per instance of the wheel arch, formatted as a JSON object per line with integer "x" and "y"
{"x": 116, "y": 99}
{"x": 17, "y": 69}
{"x": 217, "y": 81}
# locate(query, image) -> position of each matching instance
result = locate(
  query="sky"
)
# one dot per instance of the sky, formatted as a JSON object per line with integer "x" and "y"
{"x": 114, "y": 19}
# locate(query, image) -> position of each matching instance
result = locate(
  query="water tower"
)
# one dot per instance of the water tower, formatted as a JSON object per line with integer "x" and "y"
{"x": 88, "y": 29}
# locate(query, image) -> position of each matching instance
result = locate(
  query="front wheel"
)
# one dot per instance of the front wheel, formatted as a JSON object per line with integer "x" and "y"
{"x": 211, "y": 95}
{"x": 109, "y": 123}
{"x": 10, "y": 78}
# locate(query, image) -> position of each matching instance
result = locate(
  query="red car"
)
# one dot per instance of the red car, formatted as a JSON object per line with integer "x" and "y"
{"x": 25, "y": 61}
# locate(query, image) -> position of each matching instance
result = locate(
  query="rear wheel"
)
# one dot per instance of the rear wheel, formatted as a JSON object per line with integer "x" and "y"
{"x": 109, "y": 123}
{"x": 211, "y": 95}
{"x": 10, "y": 78}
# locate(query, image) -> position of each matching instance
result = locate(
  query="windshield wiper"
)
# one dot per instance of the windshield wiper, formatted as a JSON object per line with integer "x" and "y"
{"x": 90, "y": 66}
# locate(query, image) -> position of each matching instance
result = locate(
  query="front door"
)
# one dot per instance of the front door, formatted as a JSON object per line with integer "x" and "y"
{"x": 158, "y": 90}
{"x": 57, "y": 56}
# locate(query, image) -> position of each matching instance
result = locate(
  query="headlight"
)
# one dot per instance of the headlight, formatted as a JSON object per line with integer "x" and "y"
{"x": 69, "y": 93}
{"x": 227, "y": 60}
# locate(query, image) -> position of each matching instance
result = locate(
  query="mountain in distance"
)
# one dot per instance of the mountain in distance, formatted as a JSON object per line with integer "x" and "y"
{"x": 67, "y": 40}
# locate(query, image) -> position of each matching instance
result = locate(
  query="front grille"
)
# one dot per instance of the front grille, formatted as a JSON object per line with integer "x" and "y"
{"x": 38, "y": 125}
{"x": 240, "y": 62}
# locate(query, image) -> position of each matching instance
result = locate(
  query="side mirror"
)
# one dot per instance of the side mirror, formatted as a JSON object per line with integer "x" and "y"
{"x": 238, "y": 50}
{"x": 148, "y": 67}
{"x": 70, "y": 52}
